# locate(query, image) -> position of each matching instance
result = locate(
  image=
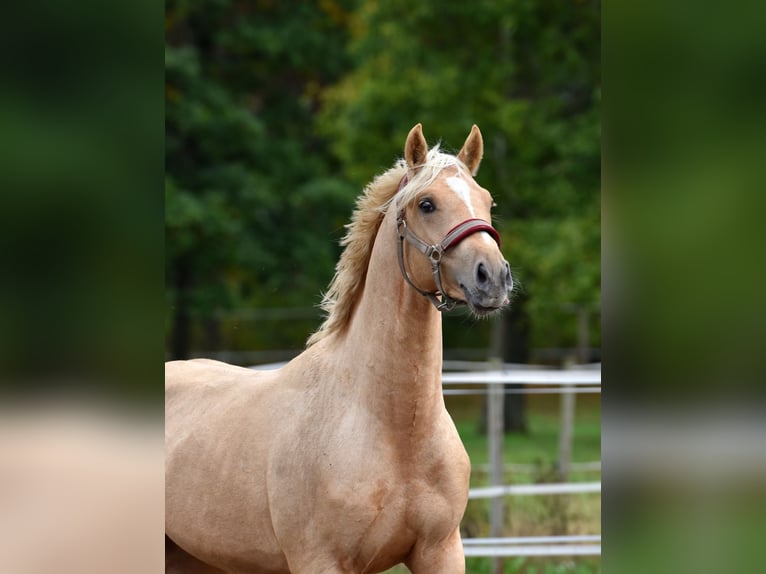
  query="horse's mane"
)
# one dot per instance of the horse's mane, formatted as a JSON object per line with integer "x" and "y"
{"x": 351, "y": 271}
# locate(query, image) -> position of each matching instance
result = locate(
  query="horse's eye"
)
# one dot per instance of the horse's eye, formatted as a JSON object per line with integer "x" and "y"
{"x": 426, "y": 206}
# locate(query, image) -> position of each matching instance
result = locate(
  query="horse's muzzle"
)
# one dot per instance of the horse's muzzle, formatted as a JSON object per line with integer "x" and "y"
{"x": 491, "y": 289}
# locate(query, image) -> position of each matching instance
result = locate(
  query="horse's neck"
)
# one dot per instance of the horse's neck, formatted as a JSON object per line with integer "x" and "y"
{"x": 395, "y": 337}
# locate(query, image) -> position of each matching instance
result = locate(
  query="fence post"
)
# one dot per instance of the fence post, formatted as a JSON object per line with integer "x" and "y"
{"x": 567, "y": 399}
{"x": 496, "y": 400}
{"x": 567, "y": 402}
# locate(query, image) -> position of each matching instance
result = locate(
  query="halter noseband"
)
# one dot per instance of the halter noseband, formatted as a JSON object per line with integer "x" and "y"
{"x": 435, "y": 252}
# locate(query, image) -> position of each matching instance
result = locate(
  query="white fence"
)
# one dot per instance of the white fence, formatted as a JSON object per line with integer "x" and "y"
{"x": 564, "y": 382}
{"x": 533, "y": 546}
{"x": 533, "y": 489}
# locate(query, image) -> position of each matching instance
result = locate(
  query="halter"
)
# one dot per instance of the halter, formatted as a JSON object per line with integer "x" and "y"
{"x": 435, "y": 253}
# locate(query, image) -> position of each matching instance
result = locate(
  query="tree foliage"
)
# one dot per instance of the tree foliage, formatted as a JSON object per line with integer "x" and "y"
{"x": 527, "y": 72}
{"x": 246, "y": 173}
{"x": 279, "y": 111}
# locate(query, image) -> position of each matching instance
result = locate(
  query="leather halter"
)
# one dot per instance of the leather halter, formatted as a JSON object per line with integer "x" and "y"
{"x": 435, "y": 253}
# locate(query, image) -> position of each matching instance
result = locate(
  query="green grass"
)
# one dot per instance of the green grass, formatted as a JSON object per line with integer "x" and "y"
{"x": 539, "y": 447}
{"x": 521, "y": 565}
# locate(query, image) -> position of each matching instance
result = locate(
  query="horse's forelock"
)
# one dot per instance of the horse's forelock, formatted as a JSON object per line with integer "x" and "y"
{"x": 426, "y": 174}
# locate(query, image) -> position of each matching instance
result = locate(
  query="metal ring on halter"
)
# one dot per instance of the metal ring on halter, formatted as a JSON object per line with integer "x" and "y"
{"x": 436, "y": 255}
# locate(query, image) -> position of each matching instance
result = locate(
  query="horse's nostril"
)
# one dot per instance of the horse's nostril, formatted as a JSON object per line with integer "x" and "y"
{"x": 481, "y": 274}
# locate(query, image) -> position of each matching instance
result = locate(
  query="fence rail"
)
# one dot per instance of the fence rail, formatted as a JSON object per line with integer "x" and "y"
{"x": 567, "y": 538}
{"x": 572, "y": 545}
{"x": 526, "y": 391}
{"x": 533, "y": 489}
{"x": 562, "y": 377}
{"x": 510, "y": 549}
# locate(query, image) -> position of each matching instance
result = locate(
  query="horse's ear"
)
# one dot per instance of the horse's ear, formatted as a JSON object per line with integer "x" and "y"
{"x": 415, "y": 148}
{"x": 473, "y": 150}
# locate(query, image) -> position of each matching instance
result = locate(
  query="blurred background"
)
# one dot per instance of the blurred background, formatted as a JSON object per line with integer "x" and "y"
{"x": 277, "y": 116}
{"x": 89, "y": 257}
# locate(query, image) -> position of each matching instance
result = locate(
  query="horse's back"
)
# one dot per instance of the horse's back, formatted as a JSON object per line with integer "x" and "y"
{"x": 207, "y": 372}
{"x": 197, "y": 391}
{"x": 206, "y": 402}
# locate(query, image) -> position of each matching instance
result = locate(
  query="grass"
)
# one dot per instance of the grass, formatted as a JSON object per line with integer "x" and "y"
{"x": 539, "y": 446}
{"x": 522, "y": 565}
{"x": 538, "y": 451}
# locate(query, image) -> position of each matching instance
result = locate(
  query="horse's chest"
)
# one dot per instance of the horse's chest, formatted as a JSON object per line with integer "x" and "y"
{"x": 379, "y": 526}
{"x": 430, "y": 484}
{"x": 368, "y": 505}
{"x": 422, "y": 496}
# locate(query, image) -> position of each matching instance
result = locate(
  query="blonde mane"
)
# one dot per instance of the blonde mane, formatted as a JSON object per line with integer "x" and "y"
{"x": 351, "y": 271}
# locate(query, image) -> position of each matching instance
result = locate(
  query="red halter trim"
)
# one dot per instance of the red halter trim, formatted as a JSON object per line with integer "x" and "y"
{"x": 468, "y": 227}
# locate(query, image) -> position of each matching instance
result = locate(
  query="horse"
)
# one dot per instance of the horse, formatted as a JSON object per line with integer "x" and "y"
{"x": 345, "y": 459}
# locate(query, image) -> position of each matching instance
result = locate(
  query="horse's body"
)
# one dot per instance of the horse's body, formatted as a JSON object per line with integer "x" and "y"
{"x": 345, "y": 459}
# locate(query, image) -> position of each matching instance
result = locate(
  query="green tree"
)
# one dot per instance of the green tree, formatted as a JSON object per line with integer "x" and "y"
{"x": 277, "y": 113}
{"x": 246, "y": 171}
{"x": 528, "y": 73}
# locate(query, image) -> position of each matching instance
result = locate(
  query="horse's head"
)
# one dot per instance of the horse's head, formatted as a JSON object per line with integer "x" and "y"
{"x": 447, "y": 245}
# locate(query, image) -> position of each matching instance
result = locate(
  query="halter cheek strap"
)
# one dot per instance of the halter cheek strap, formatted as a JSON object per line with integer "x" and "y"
{"x": 436, "y": 252}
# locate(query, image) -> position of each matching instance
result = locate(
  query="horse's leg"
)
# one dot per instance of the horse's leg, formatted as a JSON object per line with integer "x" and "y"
{"x": 446, "y": 557}
{"x": 178, "y": 561}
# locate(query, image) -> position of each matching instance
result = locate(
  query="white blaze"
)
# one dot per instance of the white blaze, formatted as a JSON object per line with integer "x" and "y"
{"x": 459, "y": 186}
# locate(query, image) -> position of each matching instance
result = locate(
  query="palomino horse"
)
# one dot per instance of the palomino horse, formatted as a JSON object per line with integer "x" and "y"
{"x": 345, "y": 459}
